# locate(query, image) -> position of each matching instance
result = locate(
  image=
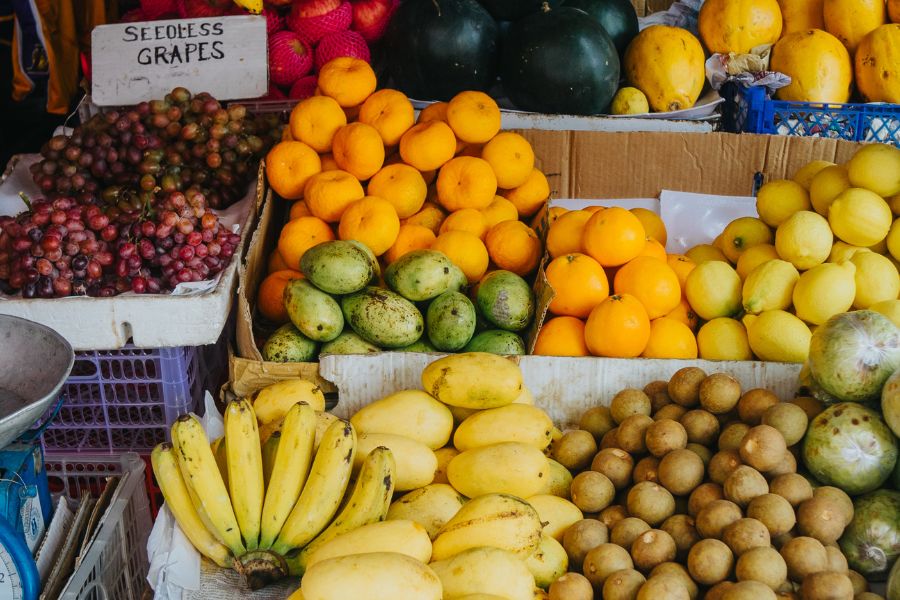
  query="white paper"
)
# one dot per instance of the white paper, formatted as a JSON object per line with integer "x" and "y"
{"x": 693, "y": 219}
{"x": 56, "y": 535}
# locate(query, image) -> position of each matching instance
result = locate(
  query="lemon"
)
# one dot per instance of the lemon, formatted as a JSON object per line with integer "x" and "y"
{"x": 860, "y": 217}
{"x": 713, "y": 289}
{"x": 770, "y": 287}
{"x": 880, "y": 247}
{"x": 876, "y": 279}
{"x": 889, "y": 308}
{"x": 779, "y": 199}
{"x": 741, "y": 234}
{"x": 754, "y": 257}
{"x": 724, "y": 339}
{"x": 702, "y": 253}
{"x": 777, "y": 335}
{"x": 824, "y": 291}
{"x": 630, "y": 101}
{"x": 842, "y": 251}
{"x": 804, "y": 239}
{"x": 805, "y": 175}
{"x": 894, "y": 203}
{"x": 876, "y": 167}
{"x": 893, "y": 240}
{"x": 826, "y": 186}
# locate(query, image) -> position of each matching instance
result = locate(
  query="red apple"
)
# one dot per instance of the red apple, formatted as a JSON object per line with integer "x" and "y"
{"x": 314, "y": 8}
{"x": 371, "y": 17}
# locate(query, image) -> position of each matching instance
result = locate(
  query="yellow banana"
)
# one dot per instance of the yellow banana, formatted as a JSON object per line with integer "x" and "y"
{"x": 200, "y": 471}
{"x": 218, "y": 450}
{"x": 269, "y": 450}
{"x": 369, "y": 503}
{"x": 289, "y": 471}
{"x": 168, "y": 476}
{"x": 195, "y": 500}
{"x": 245, "y": 469}
{"x": 323, "y": 491}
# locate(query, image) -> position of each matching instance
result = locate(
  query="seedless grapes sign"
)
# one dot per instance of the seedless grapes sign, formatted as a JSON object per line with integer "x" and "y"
{"x": 133, "y": 62}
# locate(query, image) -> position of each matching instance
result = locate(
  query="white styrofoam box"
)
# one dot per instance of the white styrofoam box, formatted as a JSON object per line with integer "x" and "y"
{"x": 564, "y": 387}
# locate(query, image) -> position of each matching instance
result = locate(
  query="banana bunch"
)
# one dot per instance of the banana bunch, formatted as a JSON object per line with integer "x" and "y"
{"x": 262, "y": 508}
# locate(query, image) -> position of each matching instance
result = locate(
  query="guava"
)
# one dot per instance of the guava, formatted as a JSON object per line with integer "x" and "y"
{"x": 871, "y": 542}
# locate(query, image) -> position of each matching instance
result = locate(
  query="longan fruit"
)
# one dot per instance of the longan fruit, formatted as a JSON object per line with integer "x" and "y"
{"x": 627, "y": 530}
{"x": 762, "y": 564}
{"x": 629, "y": 402}
{"x": 788, "y": 464}
{"x": 575, "y": 449}
{"x": 709, "y": 562}
{"x": 826, "y": 586}
{"x": 703, "y": 452}
{"x": 722, "y": 464}
{"x": 763, "y": 448}
{"x": 745, "y": 534}
{"x": 609, "y": 440}
{"x": 592, "y": 491}
{"x": 810, "y": 406}
{"x": 631, "y": 432}
{"x": 680, "y": 571}
{"x": 837, "y": 562}
{"x": 663, "y": 586}
{"x": 684, "y": 386}
{"x": 680, "y": 471}
{"x": 749, "y": 590}
{"x": 597, "y": 421}
{"x": 789, "y": 419}
{"x": 713, "y": 518}
{"x": 754, "y": 403}
{"x": 702, "y": 495}
{"x": 603, "y": 561}
{"x": 744, "y": 484}
{"x": 820, "y": 517}
{"x": 651, "y": 548}
{"x": 868, "y": 596}
{"x": 651, "y": 502}
{"x": 793, "y": 487}
{"x": 670, "y": 411}
{"x": 611, "y": 515}
{"x": 683, "y": 531}
{"x": 622, "y": 585}
{"x": 664, "y": 436}
{"x": 803, "y": 556}
{"x": 860, "y": 584}
{"x": 658, "y": 391}
{"x": 571, "y": 586}
{"x": 719, "y": 393}
{"x": 616, "y": 464}
{"x": 774, "y": 512}
{"x": 839, "y": 497}
{"x": 732, "y": 435}
{"x": 646, "y": 469}
{"x": 581, "y": 537}
{"x": 702, "y": 426}
{"x": 717, "y": 592}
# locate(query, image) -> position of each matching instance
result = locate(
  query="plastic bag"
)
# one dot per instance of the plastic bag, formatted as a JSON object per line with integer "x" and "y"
{"x": 682, "y": 14}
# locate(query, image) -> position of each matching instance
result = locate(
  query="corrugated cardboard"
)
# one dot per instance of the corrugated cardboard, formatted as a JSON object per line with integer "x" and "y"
{"x": 646, "y": 7}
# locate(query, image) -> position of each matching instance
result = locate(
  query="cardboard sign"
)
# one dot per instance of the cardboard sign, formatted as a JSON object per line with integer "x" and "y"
{"x": 134, "y": 62}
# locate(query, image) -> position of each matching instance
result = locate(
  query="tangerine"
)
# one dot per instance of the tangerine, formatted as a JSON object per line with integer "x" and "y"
{"x": 618, "y": 327}
{"x": 579, "y": 284}
{"x": 561, "y": 336}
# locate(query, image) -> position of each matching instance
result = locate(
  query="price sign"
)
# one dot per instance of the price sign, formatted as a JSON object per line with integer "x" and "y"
{"x": 225, "y": 56}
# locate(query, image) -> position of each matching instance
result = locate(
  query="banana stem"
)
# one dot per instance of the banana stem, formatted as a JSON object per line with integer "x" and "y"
{"x": 260, "y": 568}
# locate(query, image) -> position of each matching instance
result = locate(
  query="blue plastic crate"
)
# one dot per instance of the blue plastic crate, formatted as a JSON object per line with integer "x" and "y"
{"x": 748, "y": 110}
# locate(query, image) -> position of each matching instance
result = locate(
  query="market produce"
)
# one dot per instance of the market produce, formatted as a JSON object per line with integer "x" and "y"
{"x": 872, "y": 539}
{"x": 739, "y": 26}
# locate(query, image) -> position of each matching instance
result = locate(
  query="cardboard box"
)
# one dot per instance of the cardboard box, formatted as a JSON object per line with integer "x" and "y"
{"x": 646, "y": 7}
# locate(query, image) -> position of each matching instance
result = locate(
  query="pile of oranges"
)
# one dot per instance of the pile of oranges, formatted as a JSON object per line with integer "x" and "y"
{"x": 358, "y": 165}
{"x": 616, "y": 291}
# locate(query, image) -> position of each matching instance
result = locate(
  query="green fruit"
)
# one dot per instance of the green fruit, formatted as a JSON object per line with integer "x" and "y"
{"x": 618, "y": 18}
{"x": 287, "y": 344}
{"x": 316, "y": 314}
{"x": 850, "y": 447}
{"x": 458, "y": 280}
{"x": 505, "y": 300}
{"x": 383, "y": 318}
{"x": 337, "y": 267}
{"x": 450, "y": 321}
{"x": 348, "y": 343}
{"x": 890, "y": 402}
{"x": 423, "y": 345}
{"x": 496, "y": 341}
{"x": 892, "y": 591}
{"x": 420, "y": 275}
{"x": 376, "y": 266}
{"x": 871, "y": 542}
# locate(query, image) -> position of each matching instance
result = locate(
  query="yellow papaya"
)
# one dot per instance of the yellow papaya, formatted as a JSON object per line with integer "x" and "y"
{"x": 851, "y": 20}
{"x": 878, "y": 65}
{"x": 739, "y": 26}
{"x": 667, "y": 64}
{"x": 818, "y": 64}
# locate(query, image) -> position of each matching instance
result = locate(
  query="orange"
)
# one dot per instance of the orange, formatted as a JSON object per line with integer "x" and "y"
{"x": 270, "y": 297}
{"x": 531, "y": 195}
{"x": 427, "y": 146}
{"x": 594, "y": 209}
{"x": 500, "y": 209}
{"x": 653, "y": 224}
{"x": 465, "y": 251}
{"x": 328, "y": 162}
{"x": 329, "y": 193}
{"x": 288, "y": 166}
{"x": 276, "y": 262}
{"x": 561, "y": 336}
{"x": 474, "y": 117}
{"x": 685, "y": 314}
{"x": 436, "y": 111}
{"x": 653, "y": 249}
{"x": 466, "y": 182}
{"x": 315, "y": 120}
{"x": 512, "y": 158}
{"x": 358, "y": 149}
{"x": 411, "y": 237}
{"x": 670, "y": 338}
{"x": 618, "y": 327}
{"x": 402, "y": 186}
{"x": 466, "y": 219}
{"x": 652, "y": 282}
{"x": 579, "y": 284}
{"x": 372, "y": 221}
{"x": 469, "y": 149}
{"x": 682, "y": 266}
{"x": 564, "y": 236}
{"x": 299, "y": 208}
{"x": 390, "y": 112}
{"x": 430, "y": 216}
{"x": 613, "y": 236}
{"x": 348, "y": 80}
{"x": 299, "y": 235}
{"x": 514, "y": 246}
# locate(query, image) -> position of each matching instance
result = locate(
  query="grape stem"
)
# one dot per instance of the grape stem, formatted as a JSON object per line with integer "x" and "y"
{"x": 25, "y": 199}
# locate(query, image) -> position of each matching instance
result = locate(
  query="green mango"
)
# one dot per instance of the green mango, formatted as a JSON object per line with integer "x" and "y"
{"x": 338, "y": 267}
{"x": 450, "y": 321}
{"x": 505, "y": 300}
{"x": 316, "y": 314}
{"x": 420, "y": 275}
{"x": 496, "y": 341}
{"x": 458, "y": 280}
{"x": 423, "y": 345}
{"x": 383, "y": 318}
{"x": 348, "y": 343}
{"x": 287, "y": 344}
{"x": 376, "y": 266}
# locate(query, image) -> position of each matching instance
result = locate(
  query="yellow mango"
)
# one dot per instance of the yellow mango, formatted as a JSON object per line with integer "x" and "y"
{"x": 431, "y": 507}
{"x": 558, "y": 481}
{"x": 512, "y": 423}
{"x": 548, "y": 563}
{"x": 273, "y": 401}
{"x": 416, "y": 462}
{"x": 473, "y": 380}
{"x": 506, "y": 468}
{"x": 558, "y": 514}
{"x": 444, "y": 456}
{"x": 485, "y": 571}
{"x": 410, "y": 413}
{"x": 373, "y": 576}
{"x": 402, "y": 537}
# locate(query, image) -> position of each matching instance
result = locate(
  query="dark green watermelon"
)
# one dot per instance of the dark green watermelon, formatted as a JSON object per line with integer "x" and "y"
{"x": 559, "y": 61}
{"x": 618, "y": 18}
{"x": 438, "y": 48}
{"x": 512, "y": 10}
